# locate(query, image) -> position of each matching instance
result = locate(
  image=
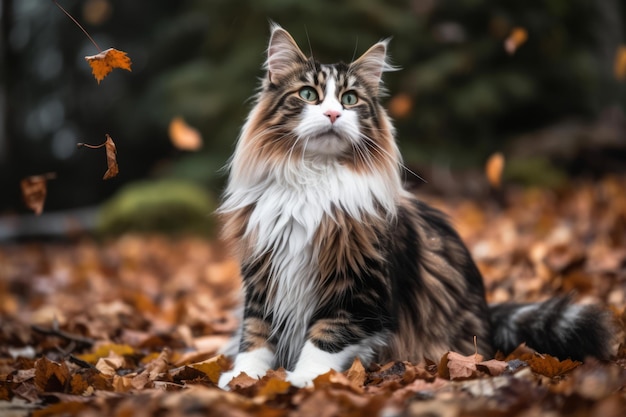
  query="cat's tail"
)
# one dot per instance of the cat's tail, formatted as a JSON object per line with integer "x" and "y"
{"x": 556, "y": 327}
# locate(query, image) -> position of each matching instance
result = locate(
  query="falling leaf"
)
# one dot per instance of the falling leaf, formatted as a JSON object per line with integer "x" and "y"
{"x": 104, "y": 62}
{"x": 517, "y": 38}
{"x": 183, "y": 136}
{"x": 34, "y": 190}
{"x": 400, "y": 105}
{"x": 494, "y": 168}
{"x": 112, "y": 167}
{"x": 620, "y": 63}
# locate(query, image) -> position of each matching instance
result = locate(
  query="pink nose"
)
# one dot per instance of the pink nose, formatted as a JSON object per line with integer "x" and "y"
{"x": 333, "y": 115}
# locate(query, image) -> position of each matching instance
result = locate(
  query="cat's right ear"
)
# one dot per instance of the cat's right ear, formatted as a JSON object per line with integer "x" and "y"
{"x": 282, "y": 54}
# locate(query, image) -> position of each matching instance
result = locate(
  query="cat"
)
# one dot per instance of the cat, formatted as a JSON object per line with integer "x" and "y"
{"x": 338, "y": 259}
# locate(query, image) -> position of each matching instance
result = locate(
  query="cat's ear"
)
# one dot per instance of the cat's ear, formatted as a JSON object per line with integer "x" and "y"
{"x": 282, "y": 54}
{"x": 373, "y": 63}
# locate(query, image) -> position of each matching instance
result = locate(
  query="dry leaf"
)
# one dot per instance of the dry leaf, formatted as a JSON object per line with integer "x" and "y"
{"x": 104, "y": 62}
{"x": 356, "y": 374}
{"x": 517, "y": 38}
{"x": 184, "y": 136}
{"x": 494, "y": 168}
{"x": 619, "y": 68}
{"x": 213, "y": 367}
{"x": 34, "y": 190}
{"x": 113, "y": 169}
{"x": 456, "y": 366}
{"x": 51, "y": 376}
{"x": 550, "y": 366}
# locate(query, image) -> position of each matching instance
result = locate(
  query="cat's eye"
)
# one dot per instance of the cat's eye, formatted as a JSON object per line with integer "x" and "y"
{"x": 308, "y": 94}
{"x": 349, "y": 98}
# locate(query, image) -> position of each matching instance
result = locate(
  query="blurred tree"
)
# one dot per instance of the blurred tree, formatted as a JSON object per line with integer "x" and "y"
{"x": 458, "y": 97}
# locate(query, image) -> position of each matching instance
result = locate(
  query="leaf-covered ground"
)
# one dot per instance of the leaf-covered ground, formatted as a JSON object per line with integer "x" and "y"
{"x": 132, "y": 326}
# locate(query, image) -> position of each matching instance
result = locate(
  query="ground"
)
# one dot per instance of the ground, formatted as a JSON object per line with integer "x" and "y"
{"x": 133, "y": 325}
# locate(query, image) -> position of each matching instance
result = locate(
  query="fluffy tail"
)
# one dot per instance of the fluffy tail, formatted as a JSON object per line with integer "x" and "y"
{"x": 556, "y": 327}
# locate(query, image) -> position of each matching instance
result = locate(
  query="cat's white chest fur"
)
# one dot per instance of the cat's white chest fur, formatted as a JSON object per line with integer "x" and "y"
{"x": 285, "y": 219}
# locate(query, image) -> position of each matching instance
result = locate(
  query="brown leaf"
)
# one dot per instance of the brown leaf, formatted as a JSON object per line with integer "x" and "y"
{"x": 51, "y": 376}
{"x": 550, "y": 366}
{"x": 492, "y": 367}
{"x": 456, "y": 366}
{"x": 184, "y": 136}
{"x": 494, "y": 168}
{"x": 113, "y": 169}
{"x": 34, "y": 190}
{"x": 104, "y": 62}
{"x": 517, "y": 38}
{"x": 356, "y": 374}
{"x": 400, "y": 105}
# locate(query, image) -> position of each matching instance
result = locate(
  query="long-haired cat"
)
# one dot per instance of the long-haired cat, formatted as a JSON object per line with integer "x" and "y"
{"x": 338, "y": 259}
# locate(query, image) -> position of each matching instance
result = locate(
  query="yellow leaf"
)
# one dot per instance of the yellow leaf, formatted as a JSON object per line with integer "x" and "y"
{"x": 620, "y": 63}
{"x": 104, "y": 62}
{"x": 517, "y": 38}
{"x": 184, "y": 136}
{"x": 213, "y": 367}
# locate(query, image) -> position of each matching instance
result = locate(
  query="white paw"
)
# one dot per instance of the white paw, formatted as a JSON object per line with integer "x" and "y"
{"x": 301, "y": 380}
{"x": 255, "y": 364}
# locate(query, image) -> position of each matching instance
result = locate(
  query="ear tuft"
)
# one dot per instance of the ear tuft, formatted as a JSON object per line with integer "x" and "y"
{"x": 282, "y": 53}
{"x": 373, "y": 63}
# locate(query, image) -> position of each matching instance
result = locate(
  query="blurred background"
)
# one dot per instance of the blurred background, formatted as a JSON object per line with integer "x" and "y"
{"x": 553, "y": 103}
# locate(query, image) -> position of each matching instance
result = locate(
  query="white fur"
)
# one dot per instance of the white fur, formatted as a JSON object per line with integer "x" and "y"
{"x": 255, "y": 363}
{"x": 314, "y": 361}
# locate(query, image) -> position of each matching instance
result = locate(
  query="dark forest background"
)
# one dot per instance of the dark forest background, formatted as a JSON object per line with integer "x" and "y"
{"x": 555, "y": 107}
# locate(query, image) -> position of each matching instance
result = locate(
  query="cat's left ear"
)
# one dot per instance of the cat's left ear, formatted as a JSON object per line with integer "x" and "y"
{"x": 373, "y": 63}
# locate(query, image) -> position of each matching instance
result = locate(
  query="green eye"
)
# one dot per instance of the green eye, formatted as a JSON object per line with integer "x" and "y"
{"x": 308, "y": 94}
{"x": 349, "y": 98}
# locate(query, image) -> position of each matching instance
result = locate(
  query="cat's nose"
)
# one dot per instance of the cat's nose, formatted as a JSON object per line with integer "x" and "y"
{"x": 333, "y": 115}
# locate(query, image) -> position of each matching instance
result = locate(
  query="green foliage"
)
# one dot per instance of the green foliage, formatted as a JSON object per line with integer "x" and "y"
{"x": 158, "y": 206}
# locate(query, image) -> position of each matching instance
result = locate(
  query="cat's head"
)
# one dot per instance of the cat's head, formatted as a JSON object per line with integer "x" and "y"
{"x": 307, "y": 111}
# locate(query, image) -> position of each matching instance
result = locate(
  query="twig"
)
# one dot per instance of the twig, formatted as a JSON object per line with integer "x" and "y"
{"x": 64, "y": 335}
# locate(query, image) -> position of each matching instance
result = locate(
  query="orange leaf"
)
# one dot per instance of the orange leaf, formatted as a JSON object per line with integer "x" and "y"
{"x": 517, "y": 38}
{"x": 34, "y": 191}
{"x": 213, "y": 367}
{"x": 184, "y": 136}
{"x": 400, "y": 105}
{"x": 494, "y": 168}
{"x": 550, "y": 366}
{"x": 104, "y": 62}
{"x": 356, "y": 374}
{"x": 620, "y": 63}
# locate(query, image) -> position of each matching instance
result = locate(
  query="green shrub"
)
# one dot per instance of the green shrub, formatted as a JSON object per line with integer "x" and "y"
{"x": 165, "y": 206}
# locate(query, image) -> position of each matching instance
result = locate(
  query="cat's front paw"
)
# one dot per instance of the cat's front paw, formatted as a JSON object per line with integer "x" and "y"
{"x": 301, "y": 379}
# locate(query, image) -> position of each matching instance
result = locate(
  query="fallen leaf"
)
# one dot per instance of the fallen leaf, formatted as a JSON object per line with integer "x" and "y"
{"x": 356, "y": 374}
{"x": 184, "y": 136}
{"x": 517, "y": 38}
{"x": 494, "y": 168}
{"x": 492, "y": 367}
{"x": 619, "y": 68}
{"x": 550, "y": 366}
{"x": 456, "y": 366}
{"x": 34, "y": 190}
{"x": 400, "y": 105}
{"x": 104, "y": 62}
{"x": 213, "y": 367}
{"x": 51, "y": 376}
